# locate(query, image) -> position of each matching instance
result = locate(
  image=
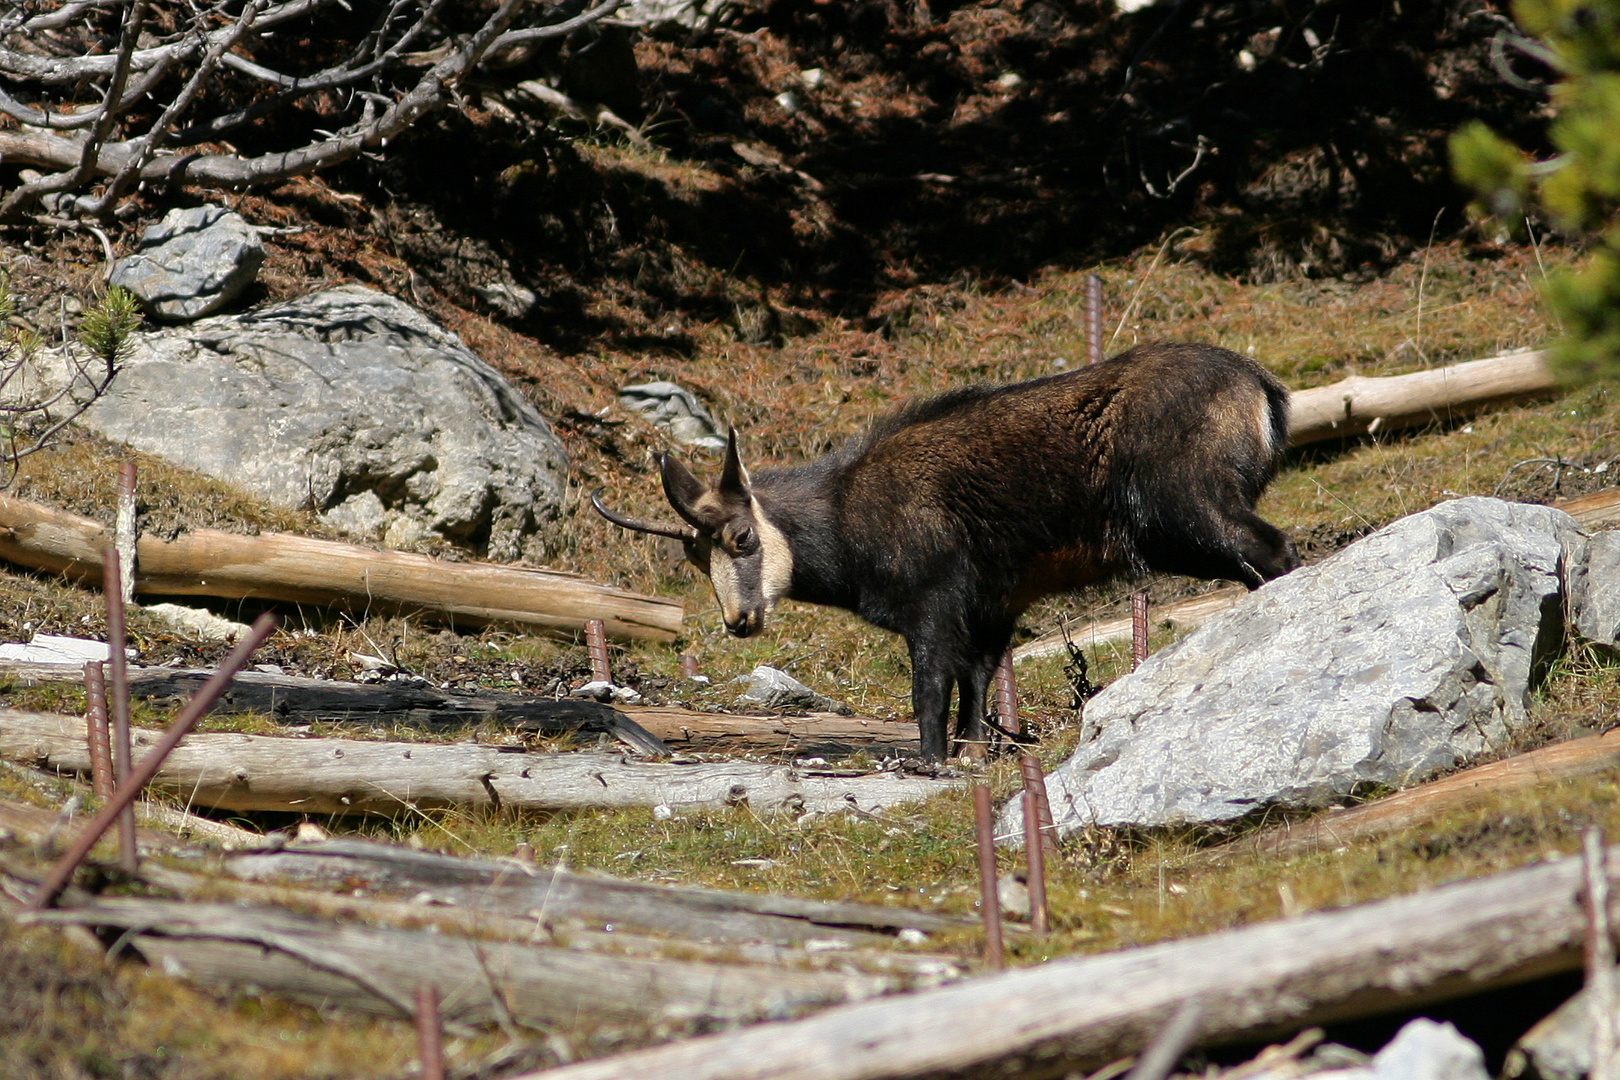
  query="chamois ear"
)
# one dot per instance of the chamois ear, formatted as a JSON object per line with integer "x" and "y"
{"x": 683, "y": 490}
{"x": 734, "y": 478}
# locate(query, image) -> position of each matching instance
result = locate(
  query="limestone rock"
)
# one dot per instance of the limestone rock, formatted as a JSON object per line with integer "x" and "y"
{"x": 676, "y": 410}
{"x": 1411, "y": 650}
{"x": 192, "y": 263}
{"x": 354, "y": 405}
{"x": 1423, "y": 1049}
{"x": 771, "y": 688}
{"x": 1597, "y": 599}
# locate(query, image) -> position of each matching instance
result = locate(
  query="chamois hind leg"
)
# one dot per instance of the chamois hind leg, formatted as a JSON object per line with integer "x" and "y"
{"x": 975, "y": 674}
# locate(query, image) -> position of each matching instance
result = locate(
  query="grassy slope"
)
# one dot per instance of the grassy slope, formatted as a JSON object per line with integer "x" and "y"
{"x": 1108, "y": 891}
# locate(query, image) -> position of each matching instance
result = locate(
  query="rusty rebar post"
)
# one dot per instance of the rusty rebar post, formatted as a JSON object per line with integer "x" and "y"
{"x": 989, "y": 894}
{"x": 1094, "y": 341}
{"x": 96, "y": 733}
{"x": 118, "y": 699}
{"x": 1006, "y": 696}
{"x": 1600, "y": 973}
{"x": 689, "y": 667}
{"x": 429, "y": 1033}
{"x": 1035, "y": 781}
{"x": 123, "y": 798}
{"x": 1035, "y": 862}
{"x": 596, "y": 646}
{"x": 1139, "y": 629}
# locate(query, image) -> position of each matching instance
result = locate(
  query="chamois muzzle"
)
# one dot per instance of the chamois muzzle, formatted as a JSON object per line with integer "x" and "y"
{"x": 747, "y": 624}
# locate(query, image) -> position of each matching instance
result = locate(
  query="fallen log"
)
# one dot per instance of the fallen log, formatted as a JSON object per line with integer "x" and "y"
{"x": 345, "y": 776}
{"x": 817, "y": 734}
{"x": 1526, "y": 772}
{"x": 35, "y": 824}
{"x": 566, "y": 898}
{"x": 649, "y": 729}
{"x": 833, "y": 949}
{"x": 1599, "y": 510}
{"x": 1360, "y": 405}
{"x": 1258, "y": 982}
{"x": 1182, "y": 616}
{"x": 296, "y": 569}
{"x": 292, "y": 699}
{"x": 377, "y": 970}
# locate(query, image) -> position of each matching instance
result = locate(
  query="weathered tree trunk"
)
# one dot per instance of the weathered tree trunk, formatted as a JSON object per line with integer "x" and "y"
{"x": 428, "y": 909}
{"x": 1183, "y": 616}
{"x": 344, "y": 776}
{"x": 569, "y": 899}
{"x": 276, "y": 566}
{"x": 1525, "y": 772}
{"x": 1359, "y": 404}
{"x": 818, "y": 734}
{"x": 1079, "y": 1013}
{"x": 649, "y": 729}
{"x": 479, "y": 982}
{"x": 290, "y": 698}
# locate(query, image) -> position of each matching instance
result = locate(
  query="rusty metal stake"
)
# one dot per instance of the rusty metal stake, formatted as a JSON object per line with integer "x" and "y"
{"x": 1139, "y": 629}
{"x": 429, "y": 1033}
{"x": 96, "y": 734}
{"x": 689, "y": 667}
{"x": 1035, "y": 782}
{"x": 118, "y": 703}
{"x": 123, "y": 798}
{"x": 1007, "y": 696}
{"x": 1035, "y": 860}
{"x": 596, "y": 646}
{"x": 1600, "y": 973}
{"x": 989, "y": 895}
{"x": 1094, "y": 341}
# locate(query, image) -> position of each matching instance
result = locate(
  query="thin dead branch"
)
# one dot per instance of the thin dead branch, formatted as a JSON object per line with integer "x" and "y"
{"x": 94, "y": 117}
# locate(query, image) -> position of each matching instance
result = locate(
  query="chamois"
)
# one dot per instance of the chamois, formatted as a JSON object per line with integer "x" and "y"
{"x": 947, "y": 519}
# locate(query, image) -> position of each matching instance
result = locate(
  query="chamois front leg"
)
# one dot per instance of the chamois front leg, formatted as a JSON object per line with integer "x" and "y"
{"x": 931, "y": 683}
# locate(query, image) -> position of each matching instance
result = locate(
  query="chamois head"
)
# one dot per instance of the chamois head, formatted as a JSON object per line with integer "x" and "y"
{"x": 728, "y": 537}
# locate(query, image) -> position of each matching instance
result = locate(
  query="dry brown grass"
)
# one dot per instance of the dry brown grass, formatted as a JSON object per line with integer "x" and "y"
{"x": 794, "y": 400}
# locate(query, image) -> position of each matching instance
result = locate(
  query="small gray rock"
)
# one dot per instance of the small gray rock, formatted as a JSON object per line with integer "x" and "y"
{"x": 675, "y": 410}
{"x": 1410, "y": 651}
{"x": 1422, "y": 1050}
{"x": 192, "y": 263}
{"x": 1559, "y": 1047}
{"x": 771, "y": 688}
{"x": 1597, "y": 599}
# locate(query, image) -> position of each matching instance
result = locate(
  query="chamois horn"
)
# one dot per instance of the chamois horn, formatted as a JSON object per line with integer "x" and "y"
{"x": 674, "y": 532}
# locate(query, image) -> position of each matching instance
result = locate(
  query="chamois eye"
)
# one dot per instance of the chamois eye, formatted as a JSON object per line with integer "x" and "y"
{"x": 745, "y": 541}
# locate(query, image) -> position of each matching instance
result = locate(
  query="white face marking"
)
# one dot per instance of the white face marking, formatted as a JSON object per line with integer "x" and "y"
{"x": 748, "y": 588}
{"x": 776, "y": 573}
{"x": 723, "y": 576}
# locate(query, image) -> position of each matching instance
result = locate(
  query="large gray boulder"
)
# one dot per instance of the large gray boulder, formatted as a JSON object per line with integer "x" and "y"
{"x": 192, "y": 263}
{"x": 354, "y": 405}
{"x": 1410, "y": 651}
